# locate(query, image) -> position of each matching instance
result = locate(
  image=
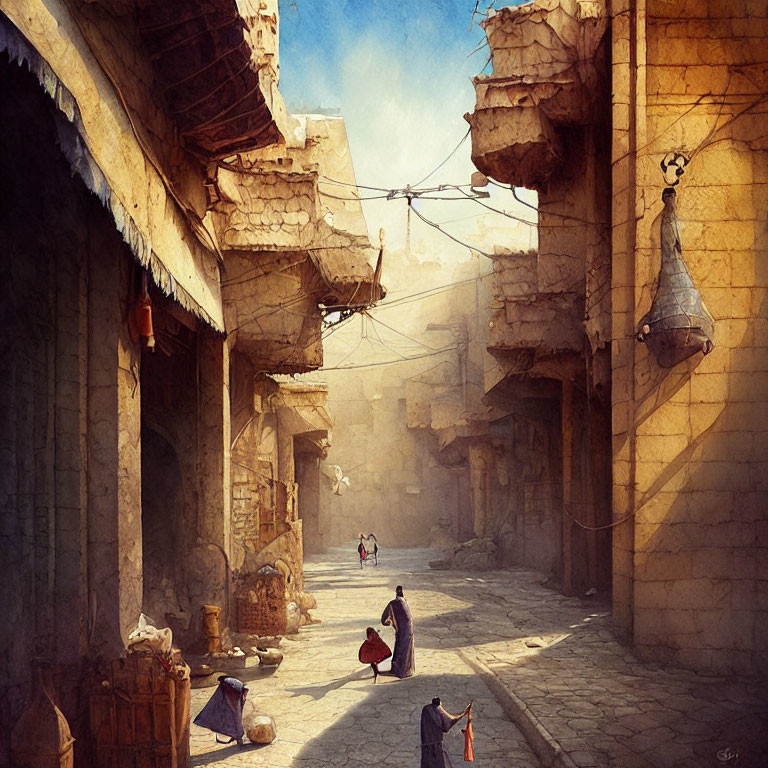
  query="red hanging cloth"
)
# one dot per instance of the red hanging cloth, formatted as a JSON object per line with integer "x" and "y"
{"x": 469, "y": 739}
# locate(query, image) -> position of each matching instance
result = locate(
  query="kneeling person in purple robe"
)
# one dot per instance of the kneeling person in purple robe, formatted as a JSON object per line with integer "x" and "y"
{"x": 224, "y": 711}
{"x": 435, "y": 722}
{"x": 398, "y": 614}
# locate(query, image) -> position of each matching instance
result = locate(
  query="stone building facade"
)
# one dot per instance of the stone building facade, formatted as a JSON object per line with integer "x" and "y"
{"x": 138, "y": 473}
{"x": 586, "y": 103}
{"x": 540, "y": 122}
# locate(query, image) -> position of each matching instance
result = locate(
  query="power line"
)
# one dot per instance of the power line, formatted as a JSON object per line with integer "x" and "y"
{"x": 353, "y": 198}
{"x": 450, "y": 155}
{"x": 448, "y": 234}
{"x": 414, "y": 296}
{"x": 353, "y": 184}
{"x": 399, "y": 333}
{"x": 389, "y": 362}
{"x": 538, "y": 210}
{"x": 496, "y": 210}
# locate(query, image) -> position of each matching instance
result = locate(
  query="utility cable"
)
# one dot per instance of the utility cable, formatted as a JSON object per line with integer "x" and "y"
{"x": 406, "y": 299}
{"x": 388, "y": 362}
{"x": 450, "y": 155}
{"x": 399, "y": 333}
{"x": 496, "y": 210}
{"x": 447, "y": 234}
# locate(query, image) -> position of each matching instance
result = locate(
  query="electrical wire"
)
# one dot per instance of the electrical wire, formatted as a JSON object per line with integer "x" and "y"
{"x": 450, "y": 155}
{"x": 399, "y": 333}
{"x": 389, "y": 362}
{"x": 545, "y": 212}
{"x": 352, "y": 199}
{"x": 353, "y": 184}
{"x": 496, "y": 210}
{"x": 406, "y": 299}
{"x": 448, "y": 234}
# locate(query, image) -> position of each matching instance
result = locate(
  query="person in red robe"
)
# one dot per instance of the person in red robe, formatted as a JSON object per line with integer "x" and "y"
{"x": 373, "y": 651}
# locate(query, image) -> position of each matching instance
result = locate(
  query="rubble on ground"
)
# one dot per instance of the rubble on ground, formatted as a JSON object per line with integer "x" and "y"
{"x": 472, "y": 555}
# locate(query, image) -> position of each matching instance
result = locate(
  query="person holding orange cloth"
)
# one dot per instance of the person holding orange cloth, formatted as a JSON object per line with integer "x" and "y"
{"x": 373, "y": 651}
{"x": 435, "y": 723}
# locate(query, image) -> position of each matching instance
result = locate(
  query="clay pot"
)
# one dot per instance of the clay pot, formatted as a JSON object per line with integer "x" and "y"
{"x": 260, "y": 729}
{"x": 211, "y": 628}
{"x": 41, "y": 737}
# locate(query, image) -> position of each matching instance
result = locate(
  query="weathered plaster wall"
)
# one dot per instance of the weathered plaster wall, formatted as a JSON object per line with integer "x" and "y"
{"x": 270, "y": 309}
{"x": 689, "y": 443}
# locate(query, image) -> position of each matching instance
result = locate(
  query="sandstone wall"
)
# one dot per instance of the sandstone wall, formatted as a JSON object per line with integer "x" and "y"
{"x": 69, "y": 415}
{"x": 398, "y": 489}
{"x": 398, "y": 427}
{"x": 690, "y": 462}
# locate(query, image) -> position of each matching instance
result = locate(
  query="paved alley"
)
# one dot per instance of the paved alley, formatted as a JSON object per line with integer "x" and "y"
{"x": 583, "y": 698}
{"x": 328, "y": 712}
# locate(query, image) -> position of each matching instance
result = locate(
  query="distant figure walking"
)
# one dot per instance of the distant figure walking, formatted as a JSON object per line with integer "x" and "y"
{"x": 398, "y": 615}
{"x": 368, "y": 548}
{"x": 435, "y": 723}
{"x": 373, "y": 651}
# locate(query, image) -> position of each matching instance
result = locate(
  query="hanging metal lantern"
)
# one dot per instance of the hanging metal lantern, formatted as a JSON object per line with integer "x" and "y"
{"x": 678, "y": 324}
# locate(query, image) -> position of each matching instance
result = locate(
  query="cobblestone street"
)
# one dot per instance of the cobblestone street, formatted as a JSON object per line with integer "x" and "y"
{"x": 327, "y": 710}
{"x": 583, "y": 699}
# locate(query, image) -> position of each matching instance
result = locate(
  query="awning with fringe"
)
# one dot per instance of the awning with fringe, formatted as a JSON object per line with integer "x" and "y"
{"x": 97, "y": 140}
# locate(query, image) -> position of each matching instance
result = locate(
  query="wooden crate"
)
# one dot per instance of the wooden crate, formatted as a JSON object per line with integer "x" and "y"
{"x": 139, "y": 715}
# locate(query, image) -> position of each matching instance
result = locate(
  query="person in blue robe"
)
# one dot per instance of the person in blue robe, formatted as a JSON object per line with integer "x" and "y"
{"x": 223, "y": 714}
{"x": 398, "y": 615}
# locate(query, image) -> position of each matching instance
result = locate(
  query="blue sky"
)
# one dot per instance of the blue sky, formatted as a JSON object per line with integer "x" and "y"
{"x": 399, "y": 72}
{"x": 421, "y": 37}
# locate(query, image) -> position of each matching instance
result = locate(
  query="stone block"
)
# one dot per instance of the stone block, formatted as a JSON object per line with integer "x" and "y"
{"x": 620, "y": 417}
{"x": 702, "y": 416}
{"x": 728, "y": 235}
{"x": 715, "y": 562}
{"x": 734, "y": 332}
{"x": 650, "y": 625}
{"x": 726, "y": 303}
{"x": 743, "y": 269}
{"x": 690, "y": 80}
{"x": 709, "y": 506}
{"x": 733, "y": 534}
{"x": 672, "y": 419}
{"x": 725, "y": 628}
{"x": 743, "y": 416}
{"x": 749, "y": 360}
{"x": 671, "y": 538}
{"x": 663, "y": 566}
{"x": 620, "y": 500}
{"x": 710, "y": 269}
{"x": 664, "y": 50}
{"x": 699, "y": 593}
{"x": 733, "y": 447}
{"x": 755, "y": 595}
{"x": 760, "y": 446}
{"x": 759, "y": 299}
{"x": 709, "y": 388}
{"x": 647, "y": 474}
{"x": 651, "y": 594}
{"x": 748, "y": 387}
{"x": 724, "y": 475}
